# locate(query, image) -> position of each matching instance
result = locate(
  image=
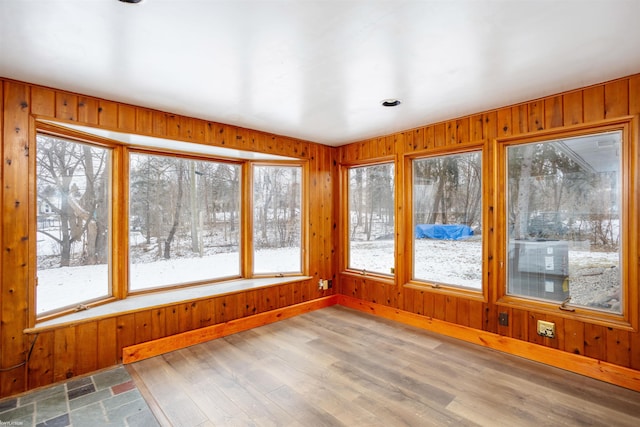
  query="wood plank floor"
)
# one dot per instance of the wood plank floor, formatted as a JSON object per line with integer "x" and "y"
{"x": 336, "y": 366}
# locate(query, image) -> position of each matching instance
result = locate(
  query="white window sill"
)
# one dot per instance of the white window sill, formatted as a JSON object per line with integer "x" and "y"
{"x": 160, "y": 299}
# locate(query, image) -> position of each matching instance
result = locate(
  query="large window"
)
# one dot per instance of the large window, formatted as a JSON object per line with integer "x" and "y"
{"x": 371, "y": 220}
{"x": 73, "y": 223}
{"x": 184, "y": 220}
{"x": 565, "y": 221}
{"x": 447, "y": 223}
{"x": 277, "y": 221}
{"x": 122, "y": 213}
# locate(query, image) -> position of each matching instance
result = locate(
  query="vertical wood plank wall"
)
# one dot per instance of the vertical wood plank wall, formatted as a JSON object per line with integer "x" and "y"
{"x": 604, "y": 101}
{"x": 74, "y": 350}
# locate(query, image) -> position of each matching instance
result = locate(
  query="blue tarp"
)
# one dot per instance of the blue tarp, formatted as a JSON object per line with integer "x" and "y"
{"x": 444, "y": 232}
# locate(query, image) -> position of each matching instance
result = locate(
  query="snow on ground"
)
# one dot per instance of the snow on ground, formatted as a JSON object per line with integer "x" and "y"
{"x": 68, "y": 286}
{"x": 592, "y": 274}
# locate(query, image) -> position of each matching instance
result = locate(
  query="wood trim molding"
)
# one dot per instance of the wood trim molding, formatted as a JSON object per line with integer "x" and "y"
{"x": 593, "y": 368}
{"x": 160, "y": 346}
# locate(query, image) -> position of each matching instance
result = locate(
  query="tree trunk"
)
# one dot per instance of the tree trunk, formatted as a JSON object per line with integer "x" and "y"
{"x": 521, "y": 225}
{"x": 176, "y": 216}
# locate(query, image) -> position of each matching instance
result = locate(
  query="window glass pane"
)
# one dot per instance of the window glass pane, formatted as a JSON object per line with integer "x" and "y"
{"x": 73, "y": 217}
{"x": 447, "y": 206}
{"x": 564, "y": 215}
{"x": 371, "y": 218}
{"x": 276, "y": 219}
{"x": 184, "y": 220}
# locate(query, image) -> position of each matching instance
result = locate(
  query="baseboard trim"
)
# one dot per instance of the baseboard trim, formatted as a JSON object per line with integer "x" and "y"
{"x": 593, "y": 368}
{"x": 160, "y": 346}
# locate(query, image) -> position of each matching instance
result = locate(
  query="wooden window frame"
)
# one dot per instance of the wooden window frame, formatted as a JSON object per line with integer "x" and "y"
{"x": 487, "y": 239}
{"x": 628, "y": 319}
{"x": 119, "y": 240}
{"x": 344, "y": 219}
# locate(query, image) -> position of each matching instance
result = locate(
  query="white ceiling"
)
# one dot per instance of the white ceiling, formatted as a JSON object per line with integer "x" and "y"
{"x": 318, "y": 69}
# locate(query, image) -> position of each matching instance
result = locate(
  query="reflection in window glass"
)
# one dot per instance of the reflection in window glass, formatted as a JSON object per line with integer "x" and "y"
{"x": 73, "y": 218}
{"x": 371, "y": 218}
{"x": 447, "y": 205}
{"x": 564, "y": 216}
{"x": 277, "y": 222}
{"x": 184, "y": 220}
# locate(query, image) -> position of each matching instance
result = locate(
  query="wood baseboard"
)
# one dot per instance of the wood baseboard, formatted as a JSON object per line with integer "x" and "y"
{"x": 160, "y": 346}
{"x": 604, "y": 371}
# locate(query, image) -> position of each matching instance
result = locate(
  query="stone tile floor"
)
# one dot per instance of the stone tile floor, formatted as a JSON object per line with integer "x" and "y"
{"x": 107, "y": 398}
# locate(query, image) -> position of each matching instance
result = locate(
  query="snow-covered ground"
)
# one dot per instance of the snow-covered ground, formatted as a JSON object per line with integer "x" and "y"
{"x": 593, "y": 275}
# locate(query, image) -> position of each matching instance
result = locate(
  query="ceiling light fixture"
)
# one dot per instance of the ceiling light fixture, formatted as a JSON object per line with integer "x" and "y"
{"x": 390, "y": 102}
{"x": 130, "y": 1}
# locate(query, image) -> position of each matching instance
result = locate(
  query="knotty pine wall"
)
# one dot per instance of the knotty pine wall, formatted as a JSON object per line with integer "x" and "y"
{"x": 61, "y": 353}
{"x": 610, "y": 100}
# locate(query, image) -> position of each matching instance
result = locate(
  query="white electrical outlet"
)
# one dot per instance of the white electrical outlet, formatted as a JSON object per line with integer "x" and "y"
{"x": 546, "y": 329}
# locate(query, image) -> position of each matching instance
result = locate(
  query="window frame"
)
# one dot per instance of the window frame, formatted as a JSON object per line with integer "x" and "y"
{"x": 628, "y": 318}
{"x": 119, "y": 220}
{"x": 344, "y": 241}
{"x": 247, "y": 190}
{"x": 481, "y": 294}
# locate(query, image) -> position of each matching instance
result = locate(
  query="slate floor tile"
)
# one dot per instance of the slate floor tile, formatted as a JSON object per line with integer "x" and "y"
{"x": 59, "y": 421}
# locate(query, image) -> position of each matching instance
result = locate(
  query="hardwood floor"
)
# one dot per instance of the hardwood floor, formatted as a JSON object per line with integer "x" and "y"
{"x": 336, "y": 366}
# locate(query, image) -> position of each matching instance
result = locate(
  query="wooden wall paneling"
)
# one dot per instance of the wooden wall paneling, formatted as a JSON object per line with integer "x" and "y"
{"x": 125, "y": 332}
{"x": 533, "y": 329}
{"x": 463, "y": 315}
{"x": 476, "y": 314}
{"x": 87, "y": 110}
{"x": 66, "y": 106}
{"x": 195, "y": 307}
{"x": 43, "y": 101}
{"x": 536, "y": 115}
{"x": 616, "y": 98}
{"x": 519, "y": 119}
{"x": 490, "y": 125}
{"x": 519, "y": 321}
{"x": 451, "y": 309}
{"x": 462, "y": 130}
{"x": 143, "y": 324}
{"x": 107, "y": 344}
{"x": 504, "y": 125}
{"x": 158, "y": 323}
{"x": 40, "y": 368}
{"x": 572, "y": 108}
{"x": 285, "y": 295}
{"x": 159, "y": 127}
{"x": 14, "y": 294}
{"x": 553, "y": 112}
{"x": 220, "y": 305}
{"x": 439, "y": 306}
{"x": 573, "y": 336}
{"x": 108, "y": 114}
{"x": 144, "y": 121}
{"x": 414, "y": 301}
{"x": 595, "y": 341}
{"x": 186, "y": 128}
{"x": 199, "y": 131}
{"x": 618, "y": 347}
{"x": 634, "y": 94}
{"x": 451, "y": 134}
{"x": 439, "y": 135}
{"x": 476, "y": 123}
{"x": 64, "y": 353}
{"x": 206, "y": 313}
{"x": 173, "y": 126}
{"x": 593, "y": 104}
{"x": 172, "y": 320}
{"x": 635, "y": 350}
{"x": 429, "y": 137}
{"x": 126, "y": 118}
{"x": 429, "y": 303}
{"x": 185, "y": 319}
{"x": 86, "y": 348}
